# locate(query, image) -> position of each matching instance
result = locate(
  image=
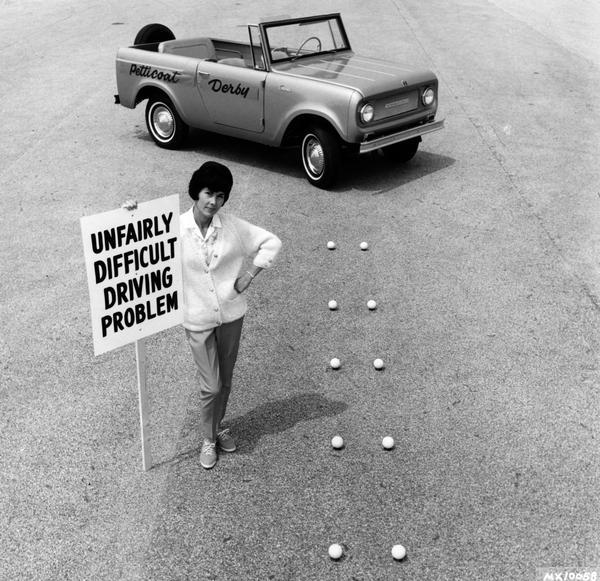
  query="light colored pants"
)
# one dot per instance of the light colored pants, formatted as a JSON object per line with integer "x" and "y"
{"x": 215, "y": 353}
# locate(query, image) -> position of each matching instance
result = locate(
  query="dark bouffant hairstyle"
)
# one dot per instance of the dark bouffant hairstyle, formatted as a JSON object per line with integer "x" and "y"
{"x": 212, "y": 175}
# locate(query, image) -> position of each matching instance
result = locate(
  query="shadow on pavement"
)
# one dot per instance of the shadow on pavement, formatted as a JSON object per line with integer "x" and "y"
{"x": 372, "y": 172}
{"x": 277, "y": 416}
{"x": 272, "y": 417}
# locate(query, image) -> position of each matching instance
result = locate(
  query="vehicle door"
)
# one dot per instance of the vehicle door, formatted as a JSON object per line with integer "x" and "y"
{"x": 234, "y": 95}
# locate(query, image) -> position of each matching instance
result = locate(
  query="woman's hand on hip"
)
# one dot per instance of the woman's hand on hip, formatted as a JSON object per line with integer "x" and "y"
{"x": 242, "y": 282}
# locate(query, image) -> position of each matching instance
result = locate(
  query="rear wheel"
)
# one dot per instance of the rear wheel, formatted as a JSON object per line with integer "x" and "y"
{"x": 153, "y": 33}
{"x": 403, "y": 151}
{"x": 164, "y": 124}
{"x": 321, "y": 156}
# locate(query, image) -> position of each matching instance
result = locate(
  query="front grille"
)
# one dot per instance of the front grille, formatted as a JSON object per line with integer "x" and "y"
{"x": 392, "y": 105}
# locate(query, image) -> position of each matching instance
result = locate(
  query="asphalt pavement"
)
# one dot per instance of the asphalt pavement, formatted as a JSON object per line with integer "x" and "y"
{"x": 483, "y": 261}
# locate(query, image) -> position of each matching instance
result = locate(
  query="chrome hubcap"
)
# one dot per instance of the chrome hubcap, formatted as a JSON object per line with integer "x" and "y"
{"x": 314, "y": 159}
{"x": 163, "y": 122}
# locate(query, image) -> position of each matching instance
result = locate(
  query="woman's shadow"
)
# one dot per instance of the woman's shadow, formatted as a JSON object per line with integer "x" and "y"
{"x": 277, "y": 416}
{"x": 272, "y": 417}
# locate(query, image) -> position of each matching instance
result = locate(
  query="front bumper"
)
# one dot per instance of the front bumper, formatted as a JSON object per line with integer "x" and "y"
{"x": 405, "y": 135}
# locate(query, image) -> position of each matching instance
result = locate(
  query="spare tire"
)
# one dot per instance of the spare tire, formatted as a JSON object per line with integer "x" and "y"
{"x": 153, "y": 33}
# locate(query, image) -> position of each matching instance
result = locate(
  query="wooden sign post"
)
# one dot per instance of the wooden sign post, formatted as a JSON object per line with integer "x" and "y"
{"x": 140, "y": 358}
{"x": 133, "y": 266}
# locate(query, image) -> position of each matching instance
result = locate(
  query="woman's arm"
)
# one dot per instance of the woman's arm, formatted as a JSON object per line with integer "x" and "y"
{"x": 243, "y": 281}
{"x": 259, "y": 243}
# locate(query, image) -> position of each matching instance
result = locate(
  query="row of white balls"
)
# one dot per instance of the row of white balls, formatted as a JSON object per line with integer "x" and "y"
{"x": 335, "y": 363}
{"x": 333, "y": 305}
{"x": 332, "y": 245}
{"x": 336, "y": 551}
{"x": 337, "y": 442}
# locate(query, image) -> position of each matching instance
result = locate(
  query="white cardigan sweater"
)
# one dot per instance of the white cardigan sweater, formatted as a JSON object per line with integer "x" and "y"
{"x": 209, "y": 298}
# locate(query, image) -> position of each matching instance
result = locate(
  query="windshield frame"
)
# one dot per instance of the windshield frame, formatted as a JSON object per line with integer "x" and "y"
{"x": 267, "y": 48}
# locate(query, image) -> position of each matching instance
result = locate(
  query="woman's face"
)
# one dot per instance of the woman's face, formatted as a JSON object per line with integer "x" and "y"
{"x": 209, "y": 203}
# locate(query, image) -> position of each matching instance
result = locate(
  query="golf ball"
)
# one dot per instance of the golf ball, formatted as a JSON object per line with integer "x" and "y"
{"x": 388, "y": 442}
{"x": 331, "y": 245}
{"x": 335, "y": 363}
{"x": 336, "y": 551}
{"x": 371, "y": 304}
{"x": 398, "y": 552}
{"x": 337, "y": 442}
{"x": 332, "y": 305}
{"x": 364, "y": 245}
{"x": 378, "y": 364}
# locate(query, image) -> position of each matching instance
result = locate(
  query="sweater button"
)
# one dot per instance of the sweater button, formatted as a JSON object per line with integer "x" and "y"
{"x": 216, "y": 309}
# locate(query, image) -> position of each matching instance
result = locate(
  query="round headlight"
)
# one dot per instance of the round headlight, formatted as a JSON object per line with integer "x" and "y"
{"x": 366, "y": 113}
{"x": 428, "y": 97}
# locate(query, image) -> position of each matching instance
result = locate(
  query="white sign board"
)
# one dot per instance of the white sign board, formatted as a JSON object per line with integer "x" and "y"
{"x": 133, "y": 265}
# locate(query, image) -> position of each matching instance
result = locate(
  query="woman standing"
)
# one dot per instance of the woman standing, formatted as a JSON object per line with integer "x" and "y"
{"x": 214, "y": 247}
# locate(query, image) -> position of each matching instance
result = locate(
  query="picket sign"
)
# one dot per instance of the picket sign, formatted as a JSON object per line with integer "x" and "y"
{"x": 133, "y": 266}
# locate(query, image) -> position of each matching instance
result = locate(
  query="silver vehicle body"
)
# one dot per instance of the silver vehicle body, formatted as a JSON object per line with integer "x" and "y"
{"x": 245, "y": 90}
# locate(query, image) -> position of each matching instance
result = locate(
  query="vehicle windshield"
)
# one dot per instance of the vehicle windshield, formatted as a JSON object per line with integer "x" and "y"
{"x": 292, "y": 40}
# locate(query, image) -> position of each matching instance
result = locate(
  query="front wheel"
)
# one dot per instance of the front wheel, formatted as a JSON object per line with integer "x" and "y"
{"x": 321, "y": 157}
{"x": 164, "y": 124}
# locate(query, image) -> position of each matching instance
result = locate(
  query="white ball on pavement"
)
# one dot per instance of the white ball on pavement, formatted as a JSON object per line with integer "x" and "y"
{"x": 335, "y": 363}
{"x": 378, "y": 364}
{"x": 388, "y": 442}
{"x": 332, "y": 305}
{"x": 398, "y": 552}
{"x": 331, "y": 245}
{"x": 337, "y": 442}
{"x": 336, "y": 551}
{"x": 371, "y": 304}
{"x": 364, "y": 245}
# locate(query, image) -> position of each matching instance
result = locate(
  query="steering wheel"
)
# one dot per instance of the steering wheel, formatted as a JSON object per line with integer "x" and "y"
{"x": 319, "y": 45}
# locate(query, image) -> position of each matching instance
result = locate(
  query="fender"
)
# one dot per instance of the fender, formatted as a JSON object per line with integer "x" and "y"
{"x": 140, "y": 72}
{"x": 300, "y": 116}
{"x": 317, "y": 100}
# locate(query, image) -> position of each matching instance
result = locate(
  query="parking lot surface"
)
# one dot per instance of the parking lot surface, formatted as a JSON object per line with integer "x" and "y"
{"x": 483, "y": 259}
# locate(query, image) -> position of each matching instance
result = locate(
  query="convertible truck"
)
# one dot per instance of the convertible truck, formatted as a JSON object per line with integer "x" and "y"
{"x": 295, "y": 83}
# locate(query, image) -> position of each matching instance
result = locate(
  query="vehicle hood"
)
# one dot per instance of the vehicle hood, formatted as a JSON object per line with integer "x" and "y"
{"x": 368, "y": 75}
